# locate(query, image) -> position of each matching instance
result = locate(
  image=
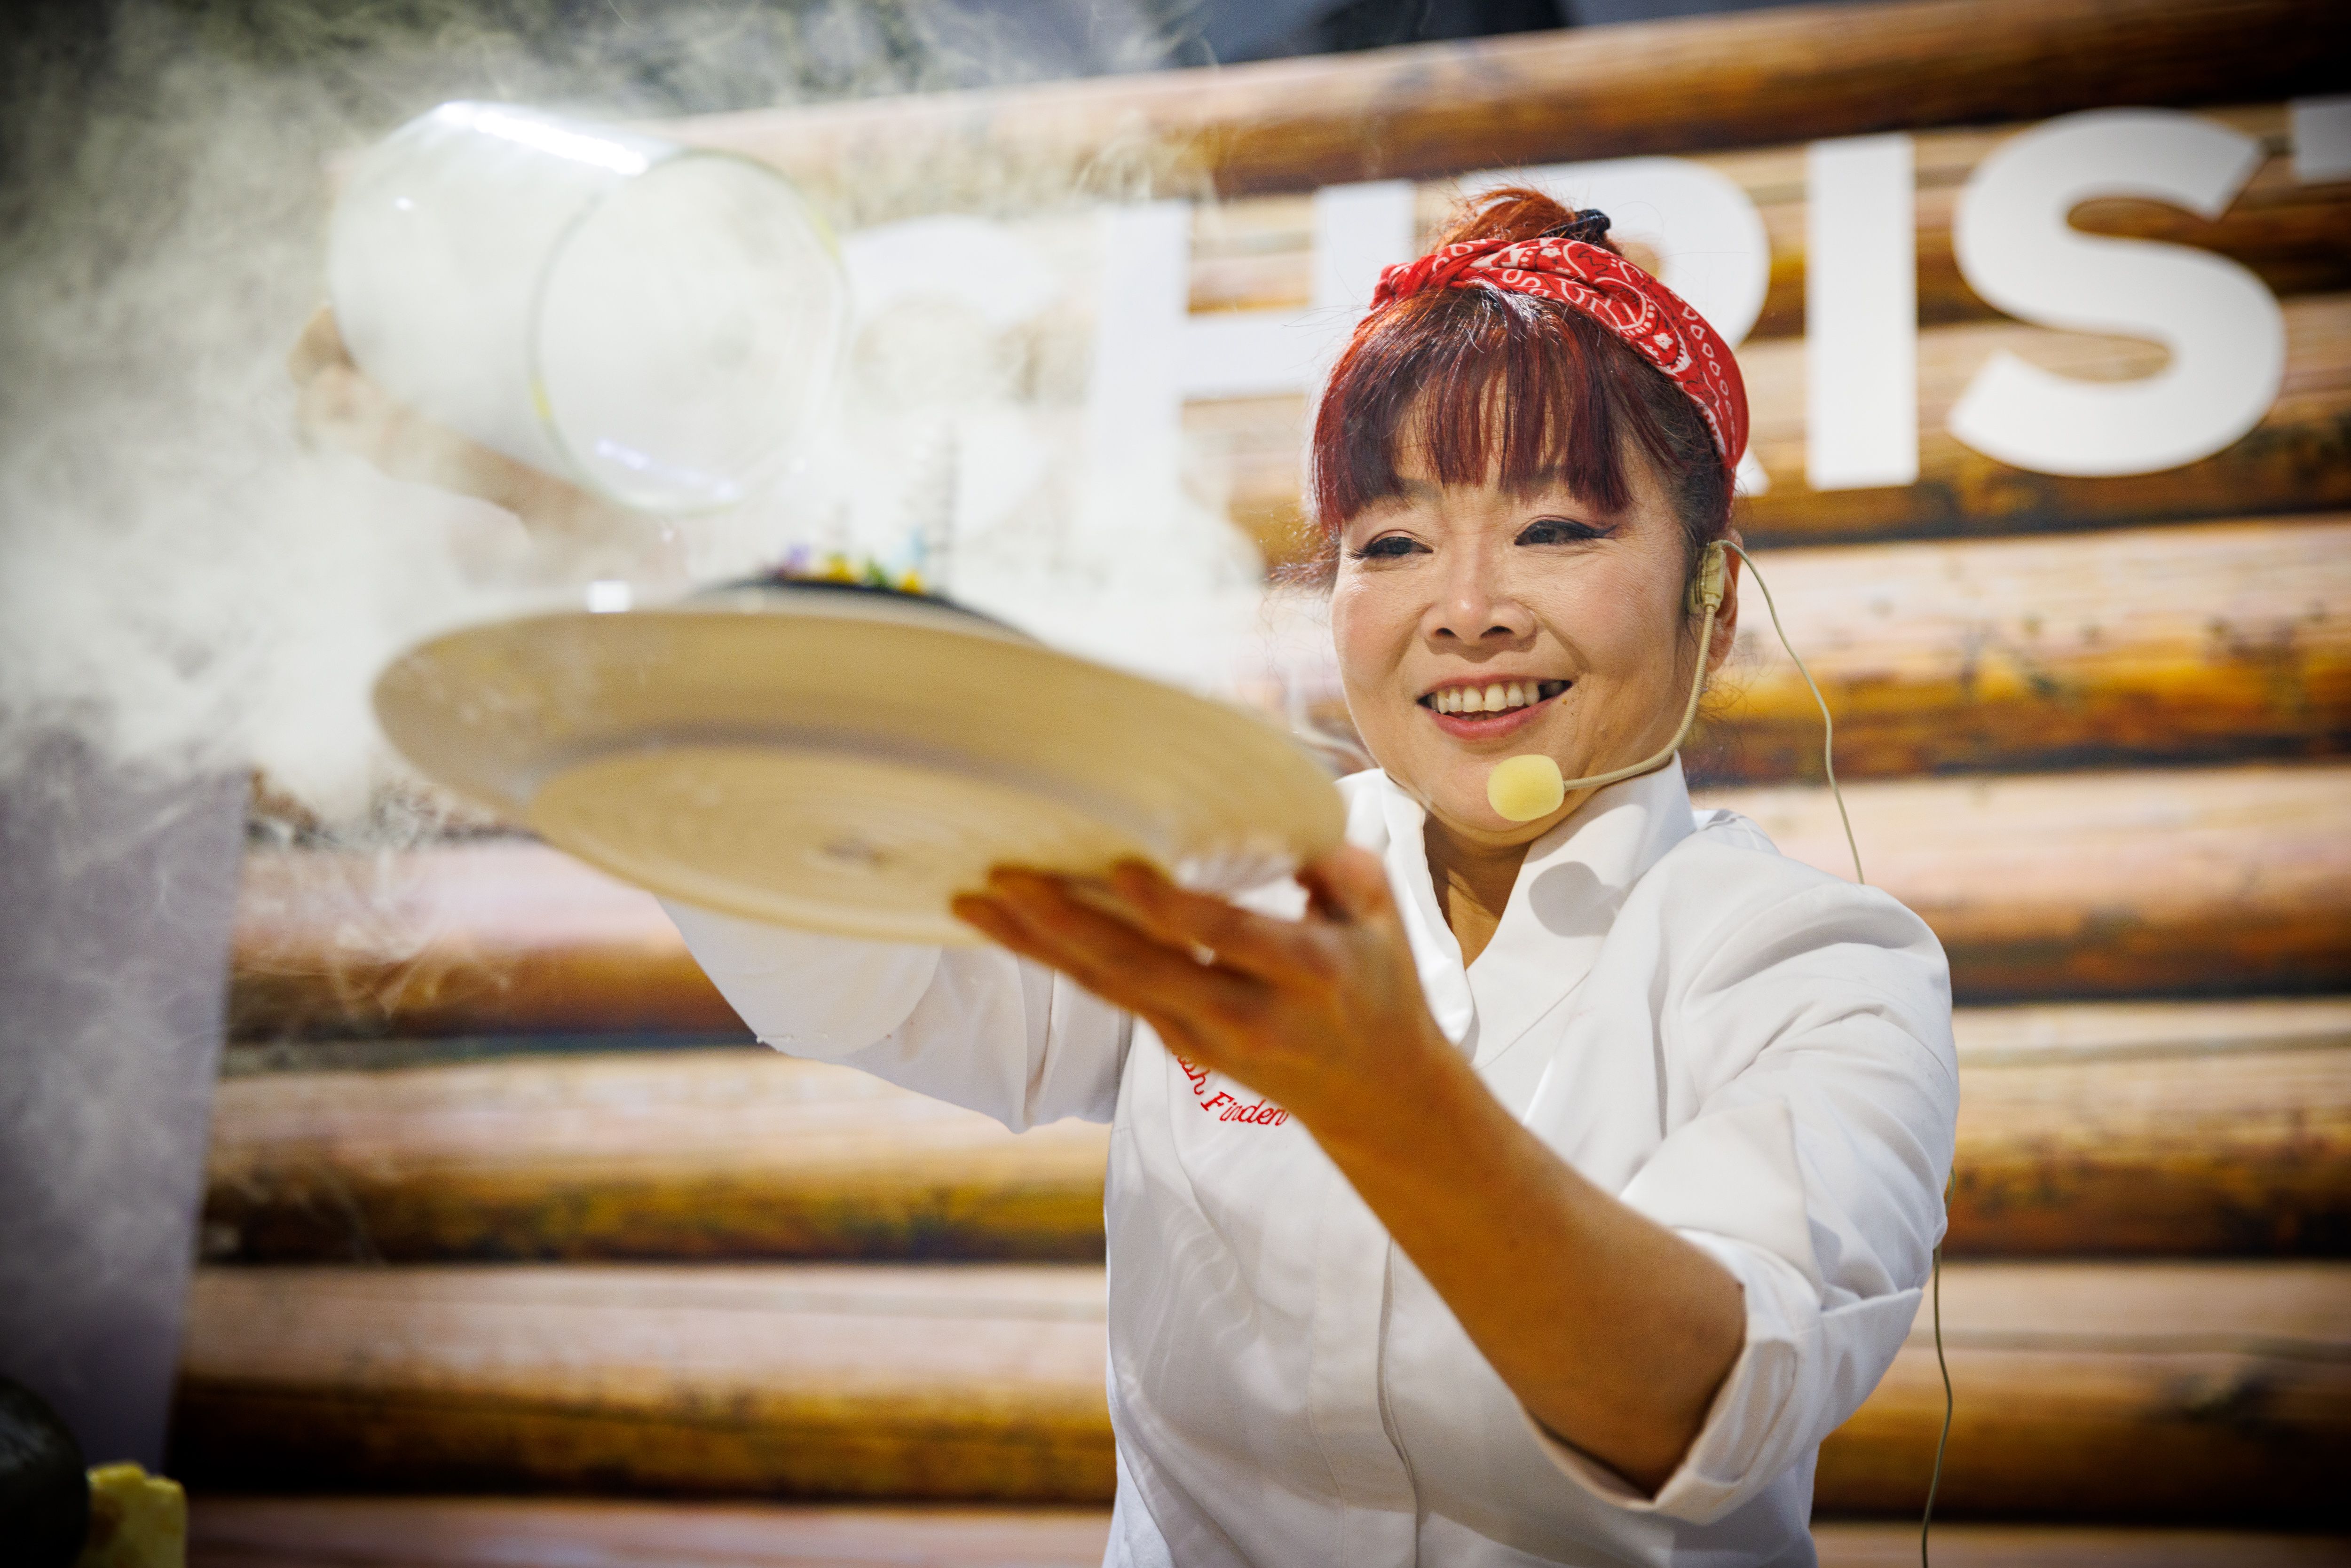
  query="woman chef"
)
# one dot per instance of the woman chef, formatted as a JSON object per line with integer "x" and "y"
{"x": 1517, "y": 1192}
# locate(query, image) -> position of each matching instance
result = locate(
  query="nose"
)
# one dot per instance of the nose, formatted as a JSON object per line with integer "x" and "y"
{"x": 1475, "y": 607}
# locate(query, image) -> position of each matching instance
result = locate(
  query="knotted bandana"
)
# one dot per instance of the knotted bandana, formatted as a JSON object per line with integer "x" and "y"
{"x": 1659, "y": 324}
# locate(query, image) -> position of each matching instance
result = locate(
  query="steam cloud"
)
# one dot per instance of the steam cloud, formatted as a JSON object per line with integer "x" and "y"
{"x": 189, "y": 589}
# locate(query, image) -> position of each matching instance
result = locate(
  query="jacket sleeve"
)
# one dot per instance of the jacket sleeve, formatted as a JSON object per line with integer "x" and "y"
{"x": 973, "y": 1026}
{"x": 1812, "y": 1169}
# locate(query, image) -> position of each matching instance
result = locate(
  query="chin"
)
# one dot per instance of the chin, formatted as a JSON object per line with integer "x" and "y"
{"x": 1457, "y": 794}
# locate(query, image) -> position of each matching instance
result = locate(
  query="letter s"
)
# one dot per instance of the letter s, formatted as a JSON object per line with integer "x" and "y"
{"x": 2016, "y": 249}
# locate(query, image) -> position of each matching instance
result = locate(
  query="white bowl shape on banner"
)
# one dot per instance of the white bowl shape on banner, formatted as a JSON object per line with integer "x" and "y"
{"x": 654, "y": 323}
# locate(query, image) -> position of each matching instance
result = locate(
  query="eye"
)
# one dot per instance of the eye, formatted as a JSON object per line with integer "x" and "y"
{"x": 1390, "y": 546}
{"x": 1560, "y": 531}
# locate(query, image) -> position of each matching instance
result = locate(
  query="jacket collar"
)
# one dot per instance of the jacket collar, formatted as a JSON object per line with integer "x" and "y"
{"x": 1574, "y": 879}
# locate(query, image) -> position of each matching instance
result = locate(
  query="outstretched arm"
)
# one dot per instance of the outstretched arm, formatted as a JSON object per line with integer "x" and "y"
{"x": 1613, "y": 1331}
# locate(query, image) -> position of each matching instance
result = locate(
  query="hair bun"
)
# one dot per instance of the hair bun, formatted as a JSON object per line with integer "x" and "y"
{"x": 1514, "y": 213}
{"x": 1590, "y": 226}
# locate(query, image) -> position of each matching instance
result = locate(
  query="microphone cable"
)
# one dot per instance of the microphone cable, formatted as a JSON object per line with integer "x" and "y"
{"x": 1935, "y": 1276}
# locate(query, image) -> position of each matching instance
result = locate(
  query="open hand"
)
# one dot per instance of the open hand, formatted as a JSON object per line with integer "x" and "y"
{"x": 1322, "y": 1016}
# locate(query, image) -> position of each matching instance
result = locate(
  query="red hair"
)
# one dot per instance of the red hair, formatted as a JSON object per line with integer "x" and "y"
{"x": 1508, "y": 387}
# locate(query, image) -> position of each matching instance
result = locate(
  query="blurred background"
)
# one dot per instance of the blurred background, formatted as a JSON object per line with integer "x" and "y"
{"x": 400, "y": 1185}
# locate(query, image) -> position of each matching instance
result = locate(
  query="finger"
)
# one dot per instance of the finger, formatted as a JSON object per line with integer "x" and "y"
{"x": 1350, "y": 884}
{"x": 1238, "y": 938}
{"x": 998, "y": 921}
{"x": 1114, "y": 959}
{"x": 988, "y": 917}
{"x": 1178, "y": 1033}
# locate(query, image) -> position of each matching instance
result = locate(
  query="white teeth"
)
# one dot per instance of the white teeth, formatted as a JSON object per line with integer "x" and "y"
{"x": 1501, "y": 696}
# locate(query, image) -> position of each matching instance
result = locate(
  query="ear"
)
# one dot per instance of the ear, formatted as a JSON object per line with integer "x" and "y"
{"x": 1726, "y": 620}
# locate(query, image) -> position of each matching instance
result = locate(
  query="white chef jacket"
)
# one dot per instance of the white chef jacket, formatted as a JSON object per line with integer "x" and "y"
{"x": 1745, "y": 1049}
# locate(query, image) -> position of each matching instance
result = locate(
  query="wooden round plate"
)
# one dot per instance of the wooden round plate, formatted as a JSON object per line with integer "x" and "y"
{"x": 845, "y": 760}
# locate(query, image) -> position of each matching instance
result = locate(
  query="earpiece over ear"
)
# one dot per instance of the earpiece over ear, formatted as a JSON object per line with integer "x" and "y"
{"x": 1706, "y": 588}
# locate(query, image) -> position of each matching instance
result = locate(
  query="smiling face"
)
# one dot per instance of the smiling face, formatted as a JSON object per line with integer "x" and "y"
{"x": 1476, "y": 623}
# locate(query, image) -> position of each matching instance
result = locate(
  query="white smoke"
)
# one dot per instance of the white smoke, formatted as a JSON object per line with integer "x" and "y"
{"x": 189, "y": 589}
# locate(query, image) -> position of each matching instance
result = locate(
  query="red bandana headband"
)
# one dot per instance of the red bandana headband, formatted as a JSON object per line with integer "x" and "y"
{"x": 1659, "y": 324}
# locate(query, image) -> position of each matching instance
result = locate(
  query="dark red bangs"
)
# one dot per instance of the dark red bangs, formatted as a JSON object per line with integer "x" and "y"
{"x": 1496, "y": 387}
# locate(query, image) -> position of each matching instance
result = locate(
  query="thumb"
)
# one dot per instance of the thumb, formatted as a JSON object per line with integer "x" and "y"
{"x": 1348, "y": 885}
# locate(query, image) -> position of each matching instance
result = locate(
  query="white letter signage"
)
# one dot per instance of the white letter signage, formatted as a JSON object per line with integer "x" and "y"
{"x": 2016, "y": 249}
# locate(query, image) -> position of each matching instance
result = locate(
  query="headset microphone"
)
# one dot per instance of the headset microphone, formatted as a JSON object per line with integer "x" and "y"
{"x": 1528, "y": 788}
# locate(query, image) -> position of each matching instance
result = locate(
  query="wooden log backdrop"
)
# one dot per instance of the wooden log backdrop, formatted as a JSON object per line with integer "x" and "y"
{"x": 2143, "y": 1392}
{"x": 497, "y": 937}
{"x": 2124, "y": 1130}
{"x": 2190, "y": 618}
{"x": 1441, "y": 109}
{"x": 968, "y": 1382}
{"x": 2079, "y": 884}
{"x": 2297, "y": 459}
{"x": 674, "y": 1154}
{"x": 2192, "y": 643}
{"x": 2148, "y": 882}
{"x": 612, "y": 1532}
{"x": 1257, "y": 254}
{"x": 2154, "y": 1129}
{"x": 486, "y": 1533}
{"x": 2188, "y": 642}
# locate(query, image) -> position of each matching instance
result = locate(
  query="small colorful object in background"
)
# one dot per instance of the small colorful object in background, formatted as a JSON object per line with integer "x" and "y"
{"x": 136, "y": 1521}
{"x": 855, "y": 571}
{"x": 56, "y": 1514}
